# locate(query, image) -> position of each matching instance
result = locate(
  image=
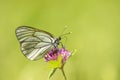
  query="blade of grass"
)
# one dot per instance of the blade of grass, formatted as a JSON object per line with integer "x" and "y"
{"x": 52, "y": 72}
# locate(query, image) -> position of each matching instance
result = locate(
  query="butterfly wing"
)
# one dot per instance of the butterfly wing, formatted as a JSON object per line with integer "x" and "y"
{"x": 34, "y": 43}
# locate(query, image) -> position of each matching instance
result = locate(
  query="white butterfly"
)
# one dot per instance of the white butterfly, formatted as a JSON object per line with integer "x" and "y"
{"x": 35, "y": 43}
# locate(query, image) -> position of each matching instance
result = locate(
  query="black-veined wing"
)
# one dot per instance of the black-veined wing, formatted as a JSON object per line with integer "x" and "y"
{"x": 34, "y": 43}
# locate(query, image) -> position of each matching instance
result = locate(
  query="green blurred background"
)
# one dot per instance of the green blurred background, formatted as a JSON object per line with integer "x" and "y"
{"x": 95, "y": 26}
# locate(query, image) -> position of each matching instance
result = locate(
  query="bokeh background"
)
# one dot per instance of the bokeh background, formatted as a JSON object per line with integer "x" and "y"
{"x": 95, "y": 26}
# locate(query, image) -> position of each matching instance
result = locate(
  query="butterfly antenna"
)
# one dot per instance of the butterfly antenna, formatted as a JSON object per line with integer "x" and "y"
{"x": 62, "y": 34}
{"x": 64, "y": 29}
{"x": 65, "y": 39}
{"x": 65, "y": 34}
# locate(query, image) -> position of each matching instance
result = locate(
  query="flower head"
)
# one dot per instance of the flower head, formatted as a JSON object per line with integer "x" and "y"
{"x": 56, "y": 53}
{"x": 57, "y": 58}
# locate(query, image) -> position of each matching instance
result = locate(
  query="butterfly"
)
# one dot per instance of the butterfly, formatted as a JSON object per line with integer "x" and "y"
{"x": 35, "y": 43}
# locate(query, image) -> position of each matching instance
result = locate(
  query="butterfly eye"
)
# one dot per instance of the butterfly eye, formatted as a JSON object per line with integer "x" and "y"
{"x": 59, "y": 38}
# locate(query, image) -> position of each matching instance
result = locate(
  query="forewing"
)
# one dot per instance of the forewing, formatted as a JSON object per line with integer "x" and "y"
{"x": 34, "y": 43}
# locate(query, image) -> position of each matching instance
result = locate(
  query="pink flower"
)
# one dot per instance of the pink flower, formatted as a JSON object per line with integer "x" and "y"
{"x": 55, "y": 53}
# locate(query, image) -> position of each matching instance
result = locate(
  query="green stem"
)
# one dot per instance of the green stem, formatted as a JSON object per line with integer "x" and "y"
{"x": 63, "y": 74}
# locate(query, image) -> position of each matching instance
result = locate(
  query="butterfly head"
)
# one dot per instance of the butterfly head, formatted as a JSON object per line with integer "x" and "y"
{"x": 57, "y": 41}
